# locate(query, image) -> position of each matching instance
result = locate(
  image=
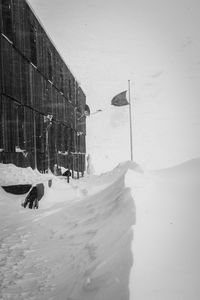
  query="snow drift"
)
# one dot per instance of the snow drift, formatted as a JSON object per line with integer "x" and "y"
{"x": 79, "y": 244}
{"x": 76, "y": 246}
{"x": 166, "y": 242}
{"x": 12, "y": 175}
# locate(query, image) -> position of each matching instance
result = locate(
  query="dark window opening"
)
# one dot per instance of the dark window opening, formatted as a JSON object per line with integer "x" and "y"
{"x": 61, "y": 81}
{"x": 72, "y": 140}
{"x": 50, "y": 69}
{"x": 33, "y": 46}
{"x": 70, "y": 90}
{"x": 7, "y": 18}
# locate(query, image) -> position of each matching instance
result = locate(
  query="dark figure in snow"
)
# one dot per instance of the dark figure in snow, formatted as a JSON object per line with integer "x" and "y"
{"x": 67, "y": 174}
{"x": 34, "y": 196}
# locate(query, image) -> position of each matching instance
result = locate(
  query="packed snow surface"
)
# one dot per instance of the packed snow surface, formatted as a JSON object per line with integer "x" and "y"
{"x": 77, "y": 245}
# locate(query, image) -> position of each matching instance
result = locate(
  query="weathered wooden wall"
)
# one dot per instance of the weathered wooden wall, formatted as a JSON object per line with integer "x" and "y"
{"x": 35, "y": 82}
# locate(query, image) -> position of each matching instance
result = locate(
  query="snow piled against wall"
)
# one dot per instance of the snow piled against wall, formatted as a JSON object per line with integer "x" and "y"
{"x": 77, "y": 245}
{"x": 12, "y": 175}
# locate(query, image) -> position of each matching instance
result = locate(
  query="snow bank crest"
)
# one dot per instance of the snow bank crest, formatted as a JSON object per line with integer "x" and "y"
{"x": 12, "y": 175}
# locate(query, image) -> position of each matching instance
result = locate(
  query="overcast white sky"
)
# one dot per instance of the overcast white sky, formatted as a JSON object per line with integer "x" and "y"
{"x": 155, "y": 44}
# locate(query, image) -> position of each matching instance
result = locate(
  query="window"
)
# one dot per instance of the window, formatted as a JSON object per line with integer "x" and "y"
{"x": 21, "y": 129}
{"x": 70, "y": 90}
{"x": 2, "y": 126}
{"x": 33, "y": 46}
{"x": 7, "y": 18}
{"x": 50, "y": 69}
{"x": 61, "y": 81}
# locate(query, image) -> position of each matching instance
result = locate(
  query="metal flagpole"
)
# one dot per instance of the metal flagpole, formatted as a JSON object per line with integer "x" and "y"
{"x": 130, "y": 119}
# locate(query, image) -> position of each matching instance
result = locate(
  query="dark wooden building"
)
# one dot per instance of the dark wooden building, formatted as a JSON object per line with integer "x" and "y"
{"x": 42, "y": 120}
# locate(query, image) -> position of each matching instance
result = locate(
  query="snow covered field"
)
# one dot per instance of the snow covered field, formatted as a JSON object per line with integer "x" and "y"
{"x": 80, "y": 244}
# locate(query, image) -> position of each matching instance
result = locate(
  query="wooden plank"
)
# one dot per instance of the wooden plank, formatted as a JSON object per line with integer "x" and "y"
{"x": 7, "y": 19}
{"x": 25, "y": 82}
{"x": 26, "y": 29}
{"x": 6, "y": 50}
{"x": 21, "y": 127}
{"x": 16, "y": 75}
{"x": 1, "y": 18}
{"x": 2, "y": 125}
{"x": 29, "y": 129}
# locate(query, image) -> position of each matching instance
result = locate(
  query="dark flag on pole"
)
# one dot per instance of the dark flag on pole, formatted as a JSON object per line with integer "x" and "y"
{"x": 120, "y": 99}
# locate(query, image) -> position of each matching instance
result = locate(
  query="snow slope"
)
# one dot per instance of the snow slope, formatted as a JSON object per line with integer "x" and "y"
{"x": 76, "y": 246}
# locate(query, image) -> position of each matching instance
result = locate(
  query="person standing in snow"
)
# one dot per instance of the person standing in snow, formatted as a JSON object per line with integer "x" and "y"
{"x": 34, "y": 196}
{"x": 67, "y": 174}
